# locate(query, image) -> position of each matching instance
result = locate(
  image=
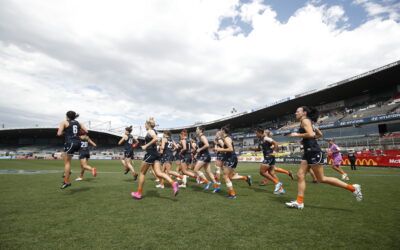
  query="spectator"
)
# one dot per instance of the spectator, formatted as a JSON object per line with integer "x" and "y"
{"x": 352, "y": 158}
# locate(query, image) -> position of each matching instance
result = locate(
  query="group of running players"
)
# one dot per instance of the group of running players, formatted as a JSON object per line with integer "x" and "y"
{"x": 192, "y": 157}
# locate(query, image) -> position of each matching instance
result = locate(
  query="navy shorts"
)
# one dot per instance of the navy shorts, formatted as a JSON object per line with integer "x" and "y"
{"x": 269, "y": 160}
{"x": 220, "y": 157}
{"x": 314, "y": 158}
{"x": 231, "y": 162}
{"x": 72, "y": 147}
{"x": 204, "y": 158}
{"x": 150, "y": 158}
{"x": 187, "y": 159}
{"x": 128, "y": 154}
{"x": 177, "y": 157}
{"x": 167, "y": 158}
{"x": 84, "y": 155}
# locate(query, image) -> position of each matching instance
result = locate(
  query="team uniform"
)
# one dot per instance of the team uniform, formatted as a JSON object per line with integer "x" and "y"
{"x": 72, "y": 140}
{"x": 177, "y": 156}
{"x": 220, "y": 155}
{"x": 167, "y": 155}
{"x": 203, "y": 155}
{"x": 84, "y": 150}
{"x": 187, "y": 157}
{"x": 152, "y": 153}
{"x": 312, "y": 152}
{"x": 128, "y": 147}
{"x": 265, "y": 144}
{"x": 230, "y": 159}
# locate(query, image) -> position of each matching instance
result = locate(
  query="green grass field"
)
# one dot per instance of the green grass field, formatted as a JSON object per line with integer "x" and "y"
{"x": 98, "y": 213}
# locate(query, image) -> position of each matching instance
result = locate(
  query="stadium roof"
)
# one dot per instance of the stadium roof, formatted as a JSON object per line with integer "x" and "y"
{"x": 385, "y": 77}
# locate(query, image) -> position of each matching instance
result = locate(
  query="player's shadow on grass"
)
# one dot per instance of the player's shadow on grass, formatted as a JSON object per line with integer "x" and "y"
{"x": 153, "y": 193}
{"x": 89, "y": 180}
{"x": 262, "y": 190}
{"x": 331, "y": 208}
{"x": 78, "y": 190}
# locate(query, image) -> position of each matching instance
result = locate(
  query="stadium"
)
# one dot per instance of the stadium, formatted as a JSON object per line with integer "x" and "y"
{"x": 361, "y": 114}
{"x": 199, "y": 124}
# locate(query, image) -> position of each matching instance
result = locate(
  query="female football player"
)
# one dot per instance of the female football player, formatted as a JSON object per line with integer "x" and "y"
{"x": 84, "y": 156}
{"x": 203, "y": 161}
{"x": 166, "y": 151}
{"x": 152, "y": 157}
{"x": 229, "y": 160}
{"x": 334, "y": 151}
{"x": 70, "y": 128}
{"x": 128, "y": 141}
{"x": 313, "y": 157}
{"x": 269, "y": 147}
{"x": 186, "y": 156}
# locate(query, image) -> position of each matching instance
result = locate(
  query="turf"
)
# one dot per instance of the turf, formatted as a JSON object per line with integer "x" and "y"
{"x": 98, "y": 213}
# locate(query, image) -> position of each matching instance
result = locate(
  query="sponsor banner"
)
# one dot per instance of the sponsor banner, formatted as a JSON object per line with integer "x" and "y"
{"x": 5, "y": 157}
{"x": 382, "y": 161}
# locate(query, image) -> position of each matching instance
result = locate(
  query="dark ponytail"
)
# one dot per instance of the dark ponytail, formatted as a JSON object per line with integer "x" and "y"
{"x": 312, "y": 113}
{"x": 226, "y": 129}
{"x": 201, "y": 128}
{"x": 72, "y": 115}
{"x": 129, "y": 129}
{"x": 260, "y": 130}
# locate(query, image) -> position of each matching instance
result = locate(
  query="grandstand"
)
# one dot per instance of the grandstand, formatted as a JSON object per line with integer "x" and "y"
{"x": 360, "y": 113}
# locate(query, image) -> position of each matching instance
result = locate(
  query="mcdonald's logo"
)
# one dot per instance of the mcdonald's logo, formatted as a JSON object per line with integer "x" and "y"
{"x": 366, "y": 162}
{"x": 346, "y": 162}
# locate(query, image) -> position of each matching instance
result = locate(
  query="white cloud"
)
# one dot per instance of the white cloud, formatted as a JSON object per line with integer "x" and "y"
{"x": 162, "y": 58}
{"x": 374, "y": 9}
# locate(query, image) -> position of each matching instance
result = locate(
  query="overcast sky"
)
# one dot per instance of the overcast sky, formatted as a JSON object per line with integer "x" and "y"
{"x": 181, "y": 61}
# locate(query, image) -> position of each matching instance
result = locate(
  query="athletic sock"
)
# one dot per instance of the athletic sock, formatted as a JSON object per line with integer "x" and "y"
{"x": 66, "y": 180}
{"x": 206, "y": 181}
{"x": 341, "y": 171}
{"x": 232, "y": 192}
{"x": 181, "y": 177}
{"x": 300, "y": 199}
{"x": 139, "y": 191}
{"x": 171, "y": 182}
{"x": 275, "y": 181}
{"x": 351, "y": 188}
{"x": 244, "y": 178}
{"x": 126, "y": 166}
{"x": 216, "y": 185}
{"x": 281, "y": 170}
{"x": 162, "y": 182}
{"x": 265, "y": 181}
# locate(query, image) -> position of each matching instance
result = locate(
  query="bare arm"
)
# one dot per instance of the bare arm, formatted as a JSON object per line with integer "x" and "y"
{"x": 205, "y": 142}
{"x": 61, "y": 128}
{"x": 183, "y": 142}
{"x": 318, "y": 132}
{"x": 308, "y": 128}
{"x": 83, "y": 127}
{"x": 163, "y": 140}
{"x": 92, "y": 142}
{"x": 228, "y": 143}
{"x": 154, "y": 140}
{"x": 124, "y": 138}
